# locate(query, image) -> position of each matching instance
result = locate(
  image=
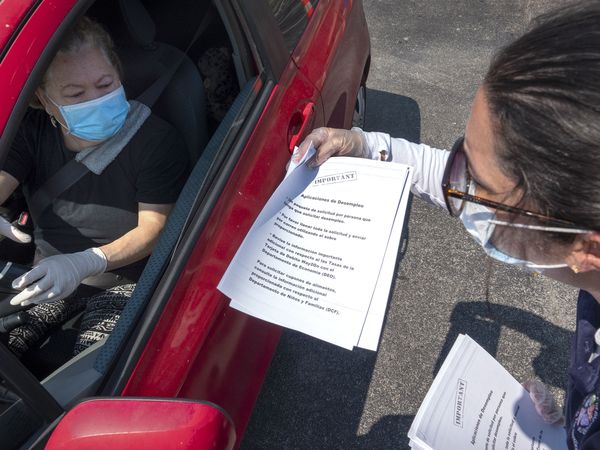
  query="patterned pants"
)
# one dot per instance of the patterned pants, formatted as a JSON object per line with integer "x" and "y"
{"x": 100, "y": 314}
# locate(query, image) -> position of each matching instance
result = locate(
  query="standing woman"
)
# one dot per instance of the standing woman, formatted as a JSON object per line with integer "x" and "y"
{"x": 525, "y": 180}
{"x": 100, "y": 229}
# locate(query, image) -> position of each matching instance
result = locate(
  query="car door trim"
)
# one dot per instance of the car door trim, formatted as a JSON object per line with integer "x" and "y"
{"x": 267, "y": 37}
{"x": 18, "y": 28}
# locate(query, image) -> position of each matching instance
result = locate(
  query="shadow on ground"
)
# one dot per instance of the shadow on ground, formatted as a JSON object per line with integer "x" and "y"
{"x": 315, "y": 396}
{"x": 483, "y": 321}
{"x": 395, "y": 114}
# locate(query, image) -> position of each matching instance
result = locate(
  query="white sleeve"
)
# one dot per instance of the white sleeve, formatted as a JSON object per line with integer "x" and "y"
{"x": 429, "y": 163}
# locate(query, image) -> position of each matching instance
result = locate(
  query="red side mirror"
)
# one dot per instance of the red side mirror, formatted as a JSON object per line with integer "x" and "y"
{"x": 134, "y": 423}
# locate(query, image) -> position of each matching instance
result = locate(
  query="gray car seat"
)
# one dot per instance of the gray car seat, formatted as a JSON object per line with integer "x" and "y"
{"x": 182, "y": 102}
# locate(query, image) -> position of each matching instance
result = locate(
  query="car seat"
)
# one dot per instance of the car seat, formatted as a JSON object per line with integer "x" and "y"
{"x": 182, "y": 102}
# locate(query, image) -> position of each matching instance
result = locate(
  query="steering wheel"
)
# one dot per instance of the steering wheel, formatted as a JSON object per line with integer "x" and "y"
{"x": 9, "y": 314}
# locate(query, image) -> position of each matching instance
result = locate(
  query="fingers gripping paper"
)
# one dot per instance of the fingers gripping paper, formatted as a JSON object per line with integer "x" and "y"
{"x": 320, "y": 256}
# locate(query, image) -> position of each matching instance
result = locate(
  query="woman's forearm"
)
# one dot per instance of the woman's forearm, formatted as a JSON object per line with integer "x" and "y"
{"x": 139, "y": 242}
{"x": 429, "y": 163}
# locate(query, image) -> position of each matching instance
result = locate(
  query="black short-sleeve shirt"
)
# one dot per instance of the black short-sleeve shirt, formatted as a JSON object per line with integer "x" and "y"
{"x": 97, "y": 209}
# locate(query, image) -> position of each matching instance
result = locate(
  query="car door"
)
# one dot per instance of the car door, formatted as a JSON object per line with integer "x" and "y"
{"x": 334, "y": 54}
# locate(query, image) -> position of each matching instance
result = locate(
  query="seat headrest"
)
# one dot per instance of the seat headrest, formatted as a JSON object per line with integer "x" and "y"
{"x": 138, "y": 21}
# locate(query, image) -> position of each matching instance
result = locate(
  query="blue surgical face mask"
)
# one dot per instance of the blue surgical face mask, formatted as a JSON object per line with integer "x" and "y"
{"x": 98, "y": 119}
{"x": 480, "y": 223}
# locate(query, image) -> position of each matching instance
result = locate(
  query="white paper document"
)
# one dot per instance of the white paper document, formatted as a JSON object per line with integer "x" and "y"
{"x": 474, "y": 403}
{"x": 320, "y": 257}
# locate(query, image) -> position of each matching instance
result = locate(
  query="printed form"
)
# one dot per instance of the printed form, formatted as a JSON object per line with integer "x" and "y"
{"x": 474, "y": 403}
{"x": 320, "y": 257}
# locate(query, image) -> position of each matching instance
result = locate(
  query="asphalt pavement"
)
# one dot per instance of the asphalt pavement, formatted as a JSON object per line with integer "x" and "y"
{"x": 428, "y": 57}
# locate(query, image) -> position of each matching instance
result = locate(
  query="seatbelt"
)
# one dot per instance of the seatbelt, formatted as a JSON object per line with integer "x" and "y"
{"x": 67, "y": 176}
{"x": 73, "y": 171}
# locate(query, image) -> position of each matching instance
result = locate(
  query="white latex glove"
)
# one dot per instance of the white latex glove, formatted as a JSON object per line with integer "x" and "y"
{"x": 12, "y": 232}
{"x": 544, "y": 402}
{"x": 57, "y": 277}
{"x": 330, "y": 142}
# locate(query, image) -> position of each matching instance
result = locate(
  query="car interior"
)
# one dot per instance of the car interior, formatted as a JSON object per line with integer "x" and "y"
{"x": 189, "y": 65}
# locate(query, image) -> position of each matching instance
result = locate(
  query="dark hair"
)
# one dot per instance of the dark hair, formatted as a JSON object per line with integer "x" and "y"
{"x": 86, "y": 32}
{"x": 543, "y": 91}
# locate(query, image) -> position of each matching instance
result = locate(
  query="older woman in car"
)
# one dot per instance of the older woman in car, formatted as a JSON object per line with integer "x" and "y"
{"x": 100, "y": 174}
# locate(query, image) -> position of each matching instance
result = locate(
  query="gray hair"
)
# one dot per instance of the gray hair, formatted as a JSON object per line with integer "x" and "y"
{"x": 87, "y": 32}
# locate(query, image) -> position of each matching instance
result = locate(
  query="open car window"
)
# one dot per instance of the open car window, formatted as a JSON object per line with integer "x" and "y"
{"x": 204, "y": 49}
{"x": 238, "y": 101}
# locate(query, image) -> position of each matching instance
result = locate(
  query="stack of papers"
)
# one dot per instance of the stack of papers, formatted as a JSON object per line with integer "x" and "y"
{"x": 474, "y": 403}
{"x": 320, "y": 257}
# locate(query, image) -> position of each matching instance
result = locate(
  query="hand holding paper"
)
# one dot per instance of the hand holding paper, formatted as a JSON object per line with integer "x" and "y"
{"x": 314, "y": 259}
{"x": 474, "y": 403}
{"x": 544, "y": 402}
{"x": 330, "y": 142}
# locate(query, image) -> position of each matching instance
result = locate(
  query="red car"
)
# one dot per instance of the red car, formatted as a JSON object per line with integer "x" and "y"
{"x": 181, "y": 369}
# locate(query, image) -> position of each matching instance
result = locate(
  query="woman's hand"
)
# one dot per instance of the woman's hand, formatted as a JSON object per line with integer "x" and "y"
{"x": 332, "y": 142}
{"x": 544, "y": 402}
{"x": 57, "y": 277}
{"x": 10, "y": 231}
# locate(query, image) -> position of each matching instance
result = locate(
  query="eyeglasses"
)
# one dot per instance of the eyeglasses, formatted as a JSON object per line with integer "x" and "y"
{"x": 457, "y": 183}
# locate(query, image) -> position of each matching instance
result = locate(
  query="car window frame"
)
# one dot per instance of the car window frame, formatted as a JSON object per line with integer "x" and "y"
{"x": 307, "y": 8}
{"x": 264, "y": 35}
{"x": 35, "y": 77}
{"x": 242, "y": 53}
{"x": 15, "y": 31}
